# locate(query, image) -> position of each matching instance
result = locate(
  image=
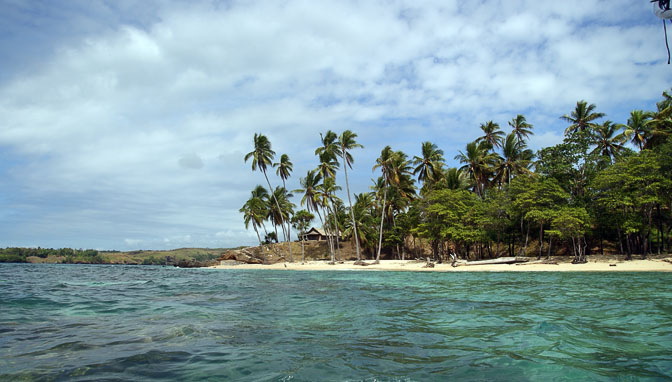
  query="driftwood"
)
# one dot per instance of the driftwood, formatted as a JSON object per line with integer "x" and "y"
{"x": 501, "y": 260}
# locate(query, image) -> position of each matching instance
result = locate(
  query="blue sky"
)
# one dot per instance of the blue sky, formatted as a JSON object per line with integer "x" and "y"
{"x": 124, "y": 123}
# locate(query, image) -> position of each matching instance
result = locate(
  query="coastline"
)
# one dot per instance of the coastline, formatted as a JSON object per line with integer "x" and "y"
{"x": 651, "y": 265}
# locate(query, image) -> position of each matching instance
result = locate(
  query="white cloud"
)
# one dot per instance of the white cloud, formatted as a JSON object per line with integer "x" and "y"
{"x": 147, "y": 122}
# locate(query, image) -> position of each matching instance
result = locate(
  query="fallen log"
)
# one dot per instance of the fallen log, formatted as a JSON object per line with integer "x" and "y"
{"x": 501, "y": 260}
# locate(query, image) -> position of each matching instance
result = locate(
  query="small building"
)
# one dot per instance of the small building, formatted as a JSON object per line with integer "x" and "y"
{"x": 315, "y": 234}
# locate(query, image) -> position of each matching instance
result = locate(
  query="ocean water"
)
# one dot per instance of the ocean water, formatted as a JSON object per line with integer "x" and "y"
{"x": 109, "y": 323}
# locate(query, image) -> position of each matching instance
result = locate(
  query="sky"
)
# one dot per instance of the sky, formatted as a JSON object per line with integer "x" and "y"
{"x": 123, "y": 124}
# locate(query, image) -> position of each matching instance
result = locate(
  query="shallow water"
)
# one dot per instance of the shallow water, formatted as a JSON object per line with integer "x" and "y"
{"x": 81, "y": 322}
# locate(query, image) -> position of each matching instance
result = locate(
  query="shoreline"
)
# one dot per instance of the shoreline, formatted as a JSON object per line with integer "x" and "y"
{"x": 652, "y": 265}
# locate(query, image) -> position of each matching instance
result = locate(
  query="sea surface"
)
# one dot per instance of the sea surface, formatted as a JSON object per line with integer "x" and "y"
{"x": 146, "y": 323}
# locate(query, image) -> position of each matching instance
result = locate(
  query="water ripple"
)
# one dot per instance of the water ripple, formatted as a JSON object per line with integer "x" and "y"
{"x": 83, "y": 323}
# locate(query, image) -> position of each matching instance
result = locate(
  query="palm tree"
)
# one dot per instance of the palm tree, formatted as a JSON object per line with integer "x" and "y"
{"x": 582, "y": 118}
{"x": 384, "y": 162}
{"x": 478, "y": 163}
{"x": 661, "y": 123}
{"x": 361, "y": 220}
{"x": 520, "y": 127}
{"x": 429, "y": 166}
{"x": 327, "y": 196}
{"x": 284, "y": 170}
{"x": 637, "y": 130}
{"x": 491, "y": 134}
{"x": 347, "y": 142}
{"x": 314, "y": 199}
{"x": 262, "y": 157}
{"x": 609, "y": 143}
{"x": 255, "y": 211}
{"x": 516, "y": 159}
{"x": 454, "y": 179}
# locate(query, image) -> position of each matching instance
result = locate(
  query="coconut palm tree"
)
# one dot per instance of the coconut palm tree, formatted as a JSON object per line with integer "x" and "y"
{"x": 255, "y": 210}
{"x": 284, "y": 170}
{"x": 661, "y": 123}
{"x": 516, "y": 159}
{"x": 327, "y": 196}
{"x": 520, "y": 127}
{"x": 609, "y": 143}
{"x": 360, "y": 222}
{"x": 491, "y": 134}
{"x": 454, "y": 179}
{"x": 478, "y": 162}
{"x": 262, "y": 157}
{"x": 582, "y": 118}
{"x": 429, "y": 166}
{"x": 384, "y": 162}
{"x": 637, "y": 129}
{"x": 347, "y": 142}
{"x": 313, "y": 199}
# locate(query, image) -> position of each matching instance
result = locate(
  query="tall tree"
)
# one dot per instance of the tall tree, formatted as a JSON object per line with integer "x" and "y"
{"x": 608, "y": 143}
{"x": 255, "y": 210}
{"x": 429, "y": 165}
{"x": 262, "y": 157}
{"x": 491, "y": 134}
{"x": 284, "y": 169}
{"x": 520, "y": 127}
{"x": 384, "y": 162}
{"x": 477, "y": 163}
{"x": 582, "y": 118}
{"x": 637, "y": 129}
{"x": 347, "y": 142}
{"x": 516, "y": 159}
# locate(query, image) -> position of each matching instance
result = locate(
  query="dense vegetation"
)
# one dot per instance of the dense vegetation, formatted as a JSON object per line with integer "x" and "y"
{"x": 69, "y": 256}
{"x": 572, "y": 198}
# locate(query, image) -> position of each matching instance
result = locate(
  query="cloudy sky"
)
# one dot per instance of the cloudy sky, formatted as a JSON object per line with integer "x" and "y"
{"x": 123, "y": 124}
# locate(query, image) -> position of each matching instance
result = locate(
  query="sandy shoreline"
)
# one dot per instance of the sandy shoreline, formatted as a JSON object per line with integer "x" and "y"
{"x": 655, "y": 265}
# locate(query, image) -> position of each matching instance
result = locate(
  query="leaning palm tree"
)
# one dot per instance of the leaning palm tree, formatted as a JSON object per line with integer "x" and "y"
{"x": 428, "y": 167}
{"x": 255, "y": 210}
{"x": 262, "y": 157}
{"x": 347, "y": 142}
{"x": 582, "y": 118}
{"x": 609, "y": 144}
{"x": 637, "y": 129}
{"x": 491, "y": 134}
{"x": 520, "y": 127}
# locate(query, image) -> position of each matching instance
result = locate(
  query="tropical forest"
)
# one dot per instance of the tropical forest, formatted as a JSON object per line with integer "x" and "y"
{"x": 607, "y": 188}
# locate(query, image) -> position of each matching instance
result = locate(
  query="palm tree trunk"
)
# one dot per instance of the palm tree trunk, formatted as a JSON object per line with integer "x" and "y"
{"x": 327, "y": 231}
{"x": 258, "y": 237}
{"x": 270, "y": 188}
{"x": 382, "y": 219}
{"x": 289, "y": 229}
{"x": 352, "y": 213}
{"x": 336, "y": 234}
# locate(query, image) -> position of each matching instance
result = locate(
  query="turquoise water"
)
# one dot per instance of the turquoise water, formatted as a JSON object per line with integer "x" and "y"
{"x": 83, "y": 323}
